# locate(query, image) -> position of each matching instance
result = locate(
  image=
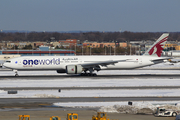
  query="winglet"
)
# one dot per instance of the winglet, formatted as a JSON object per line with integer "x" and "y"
{"x": 157, "y": 48}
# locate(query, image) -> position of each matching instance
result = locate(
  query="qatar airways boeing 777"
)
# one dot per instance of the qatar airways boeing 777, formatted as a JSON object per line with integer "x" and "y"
{"x": 82, "y": 64}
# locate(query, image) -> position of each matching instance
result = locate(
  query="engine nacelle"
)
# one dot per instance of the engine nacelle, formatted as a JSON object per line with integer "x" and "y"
{"x": 61, "y": 71}
{"x": 74, "y": 69}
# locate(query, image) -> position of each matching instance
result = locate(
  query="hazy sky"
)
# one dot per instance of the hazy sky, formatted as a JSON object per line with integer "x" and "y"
{"x": 90, "y": 15}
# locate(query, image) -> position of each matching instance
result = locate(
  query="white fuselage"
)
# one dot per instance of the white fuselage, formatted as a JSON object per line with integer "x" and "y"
{"x": 60, "y": 62}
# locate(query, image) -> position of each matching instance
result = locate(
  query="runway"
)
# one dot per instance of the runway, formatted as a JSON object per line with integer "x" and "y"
{"x": 89, "y": 88}
{"x": 107, "y": 76}
{"x": 4, "y": 102}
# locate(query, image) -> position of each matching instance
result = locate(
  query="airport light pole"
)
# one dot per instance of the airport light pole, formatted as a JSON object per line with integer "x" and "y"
{"x": 110, "y": 50}
{"x": 70, "y": 48}
{"x": 90, "y": 50}
{"x": 130, "y": 49}
{"x": 115, "y": 49}
{"x": 82, "y": 49}
{"x": 49, "y": 51}
{"x": 139, "y": 50}
{"x": 75, "y": 48}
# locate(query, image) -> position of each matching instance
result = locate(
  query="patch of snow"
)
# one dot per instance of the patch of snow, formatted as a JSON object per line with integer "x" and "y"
{"x": 148, "y": 107}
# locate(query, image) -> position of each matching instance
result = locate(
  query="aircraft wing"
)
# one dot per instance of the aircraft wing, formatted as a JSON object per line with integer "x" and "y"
{"x": 161, "y": 59}
{"x": 102, "y": 63}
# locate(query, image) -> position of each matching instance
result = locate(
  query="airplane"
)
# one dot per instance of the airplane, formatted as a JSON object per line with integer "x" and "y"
{"x": 86, "y": 65}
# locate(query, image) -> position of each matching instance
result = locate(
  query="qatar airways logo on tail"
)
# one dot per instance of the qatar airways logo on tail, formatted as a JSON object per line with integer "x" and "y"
{"x": 158, "y": 48}
{"x": 42, "y": 62}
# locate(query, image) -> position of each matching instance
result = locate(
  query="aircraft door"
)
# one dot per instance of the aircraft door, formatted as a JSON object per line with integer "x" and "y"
{"x": 19, "y": 62}
{"x": 140, "y": 61}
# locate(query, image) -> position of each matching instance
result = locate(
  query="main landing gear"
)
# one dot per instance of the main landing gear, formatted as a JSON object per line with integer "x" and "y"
{"x": 88, "y": 74}
{"x": 16, "y": 72}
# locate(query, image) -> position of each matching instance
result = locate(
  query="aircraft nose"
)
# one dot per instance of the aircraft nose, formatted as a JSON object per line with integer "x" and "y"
{"x": 7, "y": 63}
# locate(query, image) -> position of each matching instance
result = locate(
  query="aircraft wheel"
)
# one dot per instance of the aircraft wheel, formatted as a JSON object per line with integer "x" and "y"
{"x": 94, "y": 74}
{"x": 16, "y": 75}
{"x": 89, "y": 74}
{"x": 174, "y": 114}
{"x": 84, "y": 74}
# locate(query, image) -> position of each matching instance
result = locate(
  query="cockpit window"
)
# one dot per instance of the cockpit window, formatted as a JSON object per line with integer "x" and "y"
{"x": 8, "y": 61}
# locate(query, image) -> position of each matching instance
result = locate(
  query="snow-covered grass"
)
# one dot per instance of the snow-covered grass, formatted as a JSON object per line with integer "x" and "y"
{"x": 140, "y": 104}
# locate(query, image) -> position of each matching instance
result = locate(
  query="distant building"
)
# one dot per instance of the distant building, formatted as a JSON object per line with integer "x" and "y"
{"x": 102, "y": 45}
{"x": 43, "y": 51}
{"x": 68, "y": 43}
{"x": 124, "y": 44}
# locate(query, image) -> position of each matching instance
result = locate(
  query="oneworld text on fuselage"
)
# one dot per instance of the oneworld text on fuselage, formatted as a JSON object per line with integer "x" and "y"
{"x": 42, "y": 62}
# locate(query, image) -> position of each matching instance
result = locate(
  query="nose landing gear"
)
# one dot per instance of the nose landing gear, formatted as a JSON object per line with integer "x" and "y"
{"x": 16, "y": 72}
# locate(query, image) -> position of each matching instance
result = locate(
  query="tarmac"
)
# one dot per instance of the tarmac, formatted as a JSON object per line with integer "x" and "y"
{"x": 41, "y": 108}
{"x": 108, "y": 76}
{"x": 82, "y": 115}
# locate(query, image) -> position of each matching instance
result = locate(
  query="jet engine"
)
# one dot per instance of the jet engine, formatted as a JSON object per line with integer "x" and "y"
{"x": 61, "y": 71}
{"x": 74, "y": 69}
